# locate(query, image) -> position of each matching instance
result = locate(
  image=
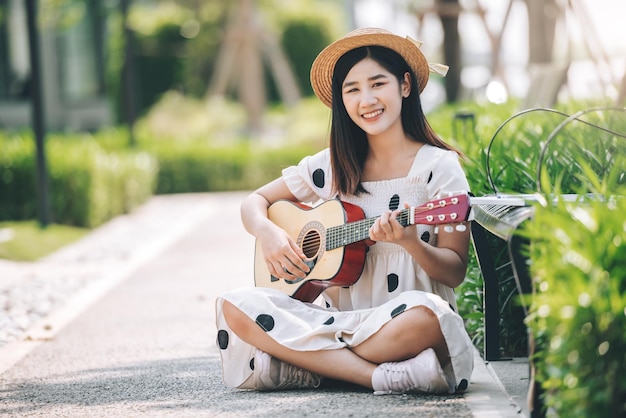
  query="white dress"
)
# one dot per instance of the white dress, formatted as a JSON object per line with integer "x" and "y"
{"x": 390, "y": 283}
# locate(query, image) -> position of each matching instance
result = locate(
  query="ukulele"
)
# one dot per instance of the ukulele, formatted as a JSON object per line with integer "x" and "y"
{"x": 333, "y": 237}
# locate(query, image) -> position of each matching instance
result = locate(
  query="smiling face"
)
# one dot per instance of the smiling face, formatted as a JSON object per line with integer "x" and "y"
{"x": 373, "y": 97}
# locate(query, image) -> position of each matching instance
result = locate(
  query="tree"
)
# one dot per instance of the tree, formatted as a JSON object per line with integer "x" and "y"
{"x": 240, "y": 61}
{"x": 449, "y": 11}
{"x": 542, "y": 17}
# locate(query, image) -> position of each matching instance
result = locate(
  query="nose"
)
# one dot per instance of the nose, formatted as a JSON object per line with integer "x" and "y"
{"x": 368, "y": 97}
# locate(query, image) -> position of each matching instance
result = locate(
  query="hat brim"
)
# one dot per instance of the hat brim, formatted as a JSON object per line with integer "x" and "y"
{"x": 324, "y": 65}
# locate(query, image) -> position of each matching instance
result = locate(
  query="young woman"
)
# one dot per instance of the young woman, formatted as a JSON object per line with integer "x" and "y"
{"x": 396, "y": 329}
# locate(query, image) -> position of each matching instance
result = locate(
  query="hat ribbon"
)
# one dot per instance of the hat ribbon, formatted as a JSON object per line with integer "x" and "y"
{"x": 434, "y": 67}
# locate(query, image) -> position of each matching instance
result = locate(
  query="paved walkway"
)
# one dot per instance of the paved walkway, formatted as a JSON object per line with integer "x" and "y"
{"x": 128, "y": 328}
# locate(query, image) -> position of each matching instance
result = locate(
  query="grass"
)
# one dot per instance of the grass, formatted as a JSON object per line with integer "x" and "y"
{"x": 27, "y": 241}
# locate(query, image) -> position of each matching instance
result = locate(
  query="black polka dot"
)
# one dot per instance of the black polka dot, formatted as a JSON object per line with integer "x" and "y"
{"x": 266, "y": 322}
{"x": 329, "y": 320}
{"x": 392, "y": 282}
{"x": 462, "y": 385}
{"x": 222, "y": 339}
{"x": 451, "y": 307}
{"x": 425, "y": 236}
{"x": 319, "y": 178}
{"x": 327, "y": 305}
{"x": 430, "y": 177}
{"x": 398, "y": 310}
{"x": 394, "y": 203}
{"x": 252, "y": 363}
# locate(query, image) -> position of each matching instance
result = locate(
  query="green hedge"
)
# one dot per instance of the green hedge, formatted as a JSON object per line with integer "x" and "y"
{"x": 18, "y": 178}
{"x": 196, "y": 167}
{"x": 95, "y": 178}
{"x": 88, "y": 185}
{"x": 578, "y": 314}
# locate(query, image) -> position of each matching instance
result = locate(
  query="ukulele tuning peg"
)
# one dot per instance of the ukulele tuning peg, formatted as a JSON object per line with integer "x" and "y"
{"x": 461, "y": 227}
{"x": 448, "y": 228}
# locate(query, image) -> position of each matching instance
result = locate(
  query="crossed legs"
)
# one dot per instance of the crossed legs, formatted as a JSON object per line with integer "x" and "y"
{"x": 405, "y": 336}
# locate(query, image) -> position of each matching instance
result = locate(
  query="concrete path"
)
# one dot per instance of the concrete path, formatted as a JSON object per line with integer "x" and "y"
{"x": 138, "y": 338}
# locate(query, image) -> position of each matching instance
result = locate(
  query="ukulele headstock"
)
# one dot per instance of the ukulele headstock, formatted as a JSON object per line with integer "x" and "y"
{"x": 446, "y": 210}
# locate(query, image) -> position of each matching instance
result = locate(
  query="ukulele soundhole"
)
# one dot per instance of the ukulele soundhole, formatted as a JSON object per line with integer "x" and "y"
{"x": 311, "y": 239}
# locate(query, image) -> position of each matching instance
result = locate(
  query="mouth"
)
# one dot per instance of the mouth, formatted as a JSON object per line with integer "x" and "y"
{"x": 372, "y": 115}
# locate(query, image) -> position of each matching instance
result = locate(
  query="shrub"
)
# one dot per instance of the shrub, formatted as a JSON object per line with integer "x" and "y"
{"x": 88, "y": 185}
{"x": 195, "y": 167}
{"x": 571, "y": 154}
{"x": 302, "y": 40}
{"x": 578, "y": 313}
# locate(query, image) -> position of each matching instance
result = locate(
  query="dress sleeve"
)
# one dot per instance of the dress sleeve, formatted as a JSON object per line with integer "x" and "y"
{"x": 447, "y": 176}
{"x": 310, "y": 180}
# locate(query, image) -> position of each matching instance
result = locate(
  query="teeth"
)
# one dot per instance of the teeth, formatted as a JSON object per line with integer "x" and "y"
{"x": 372, "y": 114}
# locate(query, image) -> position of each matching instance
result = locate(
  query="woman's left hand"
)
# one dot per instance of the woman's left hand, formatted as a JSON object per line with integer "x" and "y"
{"x": 387, "y": 228}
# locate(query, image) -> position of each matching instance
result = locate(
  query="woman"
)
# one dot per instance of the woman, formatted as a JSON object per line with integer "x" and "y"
{"x": 396, "y": 329}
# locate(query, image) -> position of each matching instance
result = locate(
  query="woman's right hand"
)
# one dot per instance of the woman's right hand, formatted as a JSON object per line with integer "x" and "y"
{"x": 283, "y": 256}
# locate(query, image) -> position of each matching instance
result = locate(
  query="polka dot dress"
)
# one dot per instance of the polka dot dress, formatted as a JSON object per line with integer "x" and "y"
{"x": 391, "y": 282}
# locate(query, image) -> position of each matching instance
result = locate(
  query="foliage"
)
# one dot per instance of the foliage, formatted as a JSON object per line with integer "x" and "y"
{"x": 61, "y": 13}
{"x": 89, "y": 185}
{"x": 578, "y": 313}
{"x": 573, "y": 153}
{"x": 17, "y": 178}
{"x": 200, "y": 145}
{"x": 177, "y": 42}
{"x": 158, "y": 32}
{"x": 302, "y": 40}
{"x": 470, "y": 302}
{"x": 177, "y": 118}
{"x": 470, "y": 127}
{"x": 204, "y": 34}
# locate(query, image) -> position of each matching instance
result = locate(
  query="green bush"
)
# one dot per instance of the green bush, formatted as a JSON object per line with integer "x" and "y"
{"x": 195, "y": 167}
{"x": 200, "y": 145}
{"x": 88, "y": 185}
{"x": 18, "y": 180}
{"x": 578, "y": 314}
{"x": 302, "y": 40}
{"x": 576, "y": 153}
{"x": 472, "y": 137}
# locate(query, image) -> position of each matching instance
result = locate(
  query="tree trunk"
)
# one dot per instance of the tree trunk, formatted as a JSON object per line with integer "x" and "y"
{"x": 449, "y": 14}
{"x": 542, "y": 16}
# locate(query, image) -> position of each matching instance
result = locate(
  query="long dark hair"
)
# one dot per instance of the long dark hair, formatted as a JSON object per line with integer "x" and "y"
{"x": 348, "y": 142}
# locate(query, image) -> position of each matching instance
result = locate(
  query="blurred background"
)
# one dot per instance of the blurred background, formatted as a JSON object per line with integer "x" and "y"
{"x": 108, "y": 62}
{"x": 106, "y": 102}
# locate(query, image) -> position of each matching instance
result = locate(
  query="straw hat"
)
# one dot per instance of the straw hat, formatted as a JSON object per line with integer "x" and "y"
{"x": 324, "y": 65}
